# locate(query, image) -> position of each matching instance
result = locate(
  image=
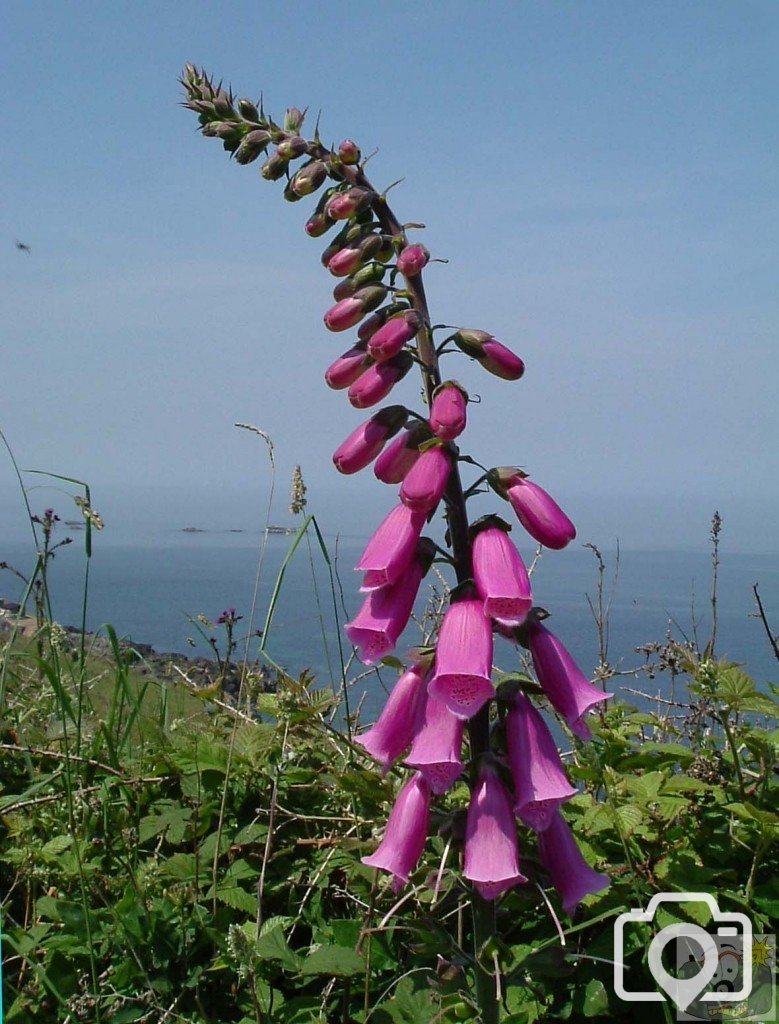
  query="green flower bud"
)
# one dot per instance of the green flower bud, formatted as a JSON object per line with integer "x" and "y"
{"x": 274, "y": 168}
{"x": 291, "y": 148}
{"x": 248, "y": 111}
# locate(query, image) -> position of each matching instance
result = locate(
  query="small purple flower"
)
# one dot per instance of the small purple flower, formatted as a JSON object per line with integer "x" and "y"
{"x": 436, "y": 751}
{"x": 491, "y": 859}
{"x": 540, "y": 514}
{"x": 564, "y": 683}
{"x": 412, "y": 259}
{"x": 378, "y": 380}
{"x": 384, "y": 614}
{"x": 500, "y": 575}
{"x": 393, "y": 731}
{"x": 347, "y": 368}
{"x": 426, "y": 481}
{"x": 391, "y": 548}
{"x": 540, "y": 782}
{"x": 570, "y": 873}
{"x": 391, "y": 337}
{"x": 363, "y": 445}
{"x": 463, "y": 665}
{"x": 405, "y": 834}
{"x": 448, "y": 411}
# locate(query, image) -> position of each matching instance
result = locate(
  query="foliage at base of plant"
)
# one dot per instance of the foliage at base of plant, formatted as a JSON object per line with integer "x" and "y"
{"x": 207, "y": 868}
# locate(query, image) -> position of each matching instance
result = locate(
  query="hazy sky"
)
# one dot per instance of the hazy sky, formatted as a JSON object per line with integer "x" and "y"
{"x": 600, "y": 176}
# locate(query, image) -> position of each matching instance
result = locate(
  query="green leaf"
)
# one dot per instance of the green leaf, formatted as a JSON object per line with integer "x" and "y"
{"x": 56, "y": 846}
{"x": 596, "y": 998}
{"x": 340, "y": 961}
{"x": 237, "y": 898}
{"x": 272, "y": 944}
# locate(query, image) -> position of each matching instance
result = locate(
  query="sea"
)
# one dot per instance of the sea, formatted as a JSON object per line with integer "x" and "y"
{"x": 168, "y": 587}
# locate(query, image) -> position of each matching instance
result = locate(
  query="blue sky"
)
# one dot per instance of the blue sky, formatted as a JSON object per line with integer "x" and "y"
{"x": 600, "y": 176}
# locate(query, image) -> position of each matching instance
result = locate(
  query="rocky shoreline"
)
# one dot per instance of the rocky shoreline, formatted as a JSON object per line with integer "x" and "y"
{"x": 198, "y": 671}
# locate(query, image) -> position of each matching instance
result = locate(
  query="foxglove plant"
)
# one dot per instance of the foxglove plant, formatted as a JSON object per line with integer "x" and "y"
{"x": 509, "y": 760}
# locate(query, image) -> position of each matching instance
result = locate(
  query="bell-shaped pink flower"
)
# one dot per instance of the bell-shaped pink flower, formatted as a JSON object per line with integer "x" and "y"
{"x": 393, "y": 731}
{"x": 564, "y": 683}
{"x": 447, "y": 412}
{"x": 500, "y": 576}
{"x": 384, "y": 614}
{"x": 463, "y": 663}
{"x": 425, "y": 483}
{"x": 391, "y": 548}
{"x": 412, "y": 259}
{"x": 405, "y": 834}
{"x": 390, "y": 338}
{"x": 540, "y": 782}
{"x": 501, "y": 361}
{"x": 378, "y": 380}
{"x": 363, "y": 445}
{"x": 436, "y": 750}
{"x": 491, "y": 859}
{"x": 347, "y": 368}
{"x": 570, "y": 873}
{"x": 539, "y": 513}
{"x": 397, "y": 458}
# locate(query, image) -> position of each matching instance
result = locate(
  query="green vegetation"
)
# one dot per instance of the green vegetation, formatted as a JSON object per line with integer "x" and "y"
{"x": 169, "y": 857}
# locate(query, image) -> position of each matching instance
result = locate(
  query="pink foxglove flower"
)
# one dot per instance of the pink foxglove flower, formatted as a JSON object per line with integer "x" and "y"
{"x": 391, "y": 548}
{"x": 393, "y": 731}
{"x": 540, "y": 782}
{"x": 412, "y": 259}
{"x": 405, "y": 834}
{"x": 378, "y": 380}
{"x": 491, "y": 859}
{"x": 363, "y": 445}
{"x": 350, "y": 311}
{"x": 500, "y": 576}
{"x": 347, "y": 368}
{"x": 390, "y": 338}
{"x": 564, "y": 683}
{"x": 570, "y": 873}
{"x": 436, "y": 751}
{"x": 447, "y": 413}
{"x": 384, "y": 615}
{"x": 463, "y": 664}
{"x": 425, "y": 482}
{"x": 501, "y": 360}
{"x": 492, "y": 354}
{"x": 539, "y": 513}
{"x": 397, "y": 458}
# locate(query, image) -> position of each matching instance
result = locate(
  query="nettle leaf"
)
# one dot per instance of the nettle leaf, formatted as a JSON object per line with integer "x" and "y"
{"x": 338, "y": 961}
{"x": 169, "y": 820}
{"x": 409, "y": 1005}
{"x": 237, "y": 898}
{"x": 272, "y": 943}
{"x": 56, "y": 846}
{"x": 628, "y": 818}
{"x": 734, "y": 686}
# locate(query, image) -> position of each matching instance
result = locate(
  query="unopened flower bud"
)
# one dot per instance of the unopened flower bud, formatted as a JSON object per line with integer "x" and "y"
{"x": 347, "y": 367}
{"x": 223, "y": 103}
{"x": 317, "y": 224}
{"x": 373, "y": 323}
{"x": 345, "y": 261}
{"x": 396, "y": 460}
{"x": 350, "y": 311}
{"x": 363, "y": 445}
{"x": 252, "y": 146}
{"x": 394, "y": 334}
{"x": 293, "y": 119}
{"x": 426, "y": 482}
{"x": 248, "y": 111}
{"x": 349, "y": 152}
{"x": 378, "y": 380}
{"x": 492, "y": 354}
{"x": 371, "y": 274}
{"x": 447, "y": 412}
{"x": 309, "y": 178}
{"x": 289, "y": 149}
{"x": 347, "y": 204}
{"x": 228, "y": 132}
{"x": 412, "y": 259}
{"x": 538, "y": 512}
{"x": 274, "y": 168}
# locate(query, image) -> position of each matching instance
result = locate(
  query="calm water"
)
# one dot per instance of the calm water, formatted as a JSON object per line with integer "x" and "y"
{"x": 150, "y": 591}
